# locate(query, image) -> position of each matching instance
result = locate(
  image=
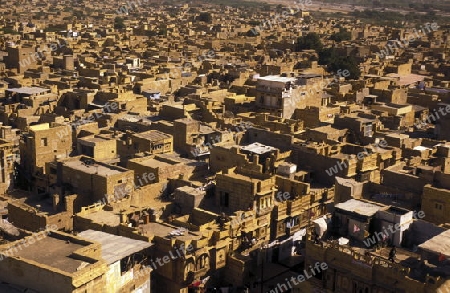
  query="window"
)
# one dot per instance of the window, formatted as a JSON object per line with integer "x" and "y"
{"x": 224, "y": 199}
{"x": 202, "y": 262}
{"x": 157, "y": 147}
{"x": 44, "y": 141}
{"x": 438, "y": 206}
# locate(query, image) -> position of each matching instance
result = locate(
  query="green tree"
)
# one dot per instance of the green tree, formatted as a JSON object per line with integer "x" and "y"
{"x": 118, "y": 23}
{"x": 205, "y": 16}
{"x": 309, "y": 42}
{"x": 335, "y": 62}
{"x": 342, "y": 35}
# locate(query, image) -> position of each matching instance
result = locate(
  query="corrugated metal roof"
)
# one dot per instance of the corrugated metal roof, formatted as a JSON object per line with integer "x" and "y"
{"x": 257, "y": 148}
{"x": 9, "y": 228}
{"x": 114, "y": 247}
{"x": 277, "y": 78}
{"x": 28, "y": 90}
{"x": 360, "y": 207}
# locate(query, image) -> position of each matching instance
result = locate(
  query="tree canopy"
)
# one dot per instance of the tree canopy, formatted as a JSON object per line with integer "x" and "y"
{"x": 118, "y": 23}
{"x": 335, "y": 62}
{"x": 205, "y": 16}
{"x": 342, "y": 35}
{"x": 309, "y": 42}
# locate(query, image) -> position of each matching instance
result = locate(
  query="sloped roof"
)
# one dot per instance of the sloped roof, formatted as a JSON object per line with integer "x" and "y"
{"x": 114, "y": 248}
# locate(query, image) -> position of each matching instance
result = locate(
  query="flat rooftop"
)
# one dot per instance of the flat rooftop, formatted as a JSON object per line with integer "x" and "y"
{"x": 407, "y": 79}
{"x": 109, "y": 218}
{"x": 360, "y": 207}
{"x": 166, "y": 160}
{"x": 206, "y": 129}
{"x": 42, "y": 126}
{"x": 94, "y": 139}
{"x": 53, "y": 252}
{"x": 137, "y": 118}
{"x": 114, "y": 248}
{"x": 310, "y": 75}
{"x": 152, "y": 135}
{"x": 438, "y": 244}
{"x": 191, "y": 190}
{"x": 166, "y": 231}
{"x": 95, "y": 168}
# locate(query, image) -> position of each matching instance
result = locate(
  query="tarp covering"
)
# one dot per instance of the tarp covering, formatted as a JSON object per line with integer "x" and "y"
{"x": 320, "y": 226}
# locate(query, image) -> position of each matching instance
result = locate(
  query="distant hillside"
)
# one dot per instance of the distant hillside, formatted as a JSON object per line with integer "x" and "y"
{"x": 418, "y": 5}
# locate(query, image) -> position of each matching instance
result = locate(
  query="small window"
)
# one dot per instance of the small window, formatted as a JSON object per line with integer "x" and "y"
{"x": 44, "y": 141}
{"x": 224, "y": 199}
{"x": 438, "y": 206}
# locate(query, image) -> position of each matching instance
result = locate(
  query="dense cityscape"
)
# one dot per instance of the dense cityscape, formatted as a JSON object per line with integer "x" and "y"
{"x": 225, "y": 146}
